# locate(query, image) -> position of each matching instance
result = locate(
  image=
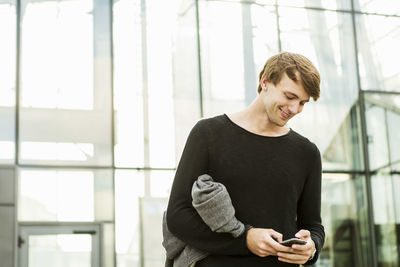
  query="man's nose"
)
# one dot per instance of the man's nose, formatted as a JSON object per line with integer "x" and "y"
{"x": 295, "y": 108}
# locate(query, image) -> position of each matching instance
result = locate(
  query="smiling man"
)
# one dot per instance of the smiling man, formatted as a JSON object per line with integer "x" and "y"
{"x": 272, "y": 174}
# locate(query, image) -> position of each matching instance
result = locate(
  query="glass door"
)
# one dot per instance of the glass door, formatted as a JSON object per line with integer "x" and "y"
{"x": 59, "y": 245}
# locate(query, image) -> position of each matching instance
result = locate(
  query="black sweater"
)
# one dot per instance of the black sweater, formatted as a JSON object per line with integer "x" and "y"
{"x": 274, "y": 182}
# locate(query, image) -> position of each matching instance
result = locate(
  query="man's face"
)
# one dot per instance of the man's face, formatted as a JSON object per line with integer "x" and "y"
{"x": 283, "y": 101}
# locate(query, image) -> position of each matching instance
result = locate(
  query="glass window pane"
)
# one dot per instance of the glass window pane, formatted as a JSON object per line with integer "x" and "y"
{"x": 129, "y": 188}
{"x": 65, "y": 83}
{"x": 150, "y": 85}
{"x": 394, "y": 134}
{"x": 378, "y": 6}
{"x": 128, "y": 77}
{"x": 385, "y": 218}
{"x": 186, "y": 82}
{"x": 8, "y": 80}
{"x": 55, "y": 250}
{"x": 326, "y": 38}
{"x": 377, "y": 135}
{"x": 160, "y": 183}
{"x": 68, "y": 195}
{"x": 234, "y": 48}
{"x": 140, "y": 200}
{"x": 265, "y": 38}
{"x": 388, "y": 107}
{"x": 161, "y": 19}
{"x": 377, "y": 39}
{"x": 344, "y": 151}
{"x": 345, "y": 218}
{"x": 222, "y": 42}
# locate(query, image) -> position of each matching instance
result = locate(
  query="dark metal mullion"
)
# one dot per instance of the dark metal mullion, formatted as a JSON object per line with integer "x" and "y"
{"x": 16, "y": 134}
{"x": 381, "y": 92}
{"x": 364, "y": 139}
{"x": 17, "y": 80}
{"x": 87, "y": 167}
{"x": 344, "y": 172}
{"x": 199, "y": 58}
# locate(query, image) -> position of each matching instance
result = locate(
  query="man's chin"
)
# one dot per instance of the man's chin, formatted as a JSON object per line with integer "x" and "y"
{"x": 280, "y": 123}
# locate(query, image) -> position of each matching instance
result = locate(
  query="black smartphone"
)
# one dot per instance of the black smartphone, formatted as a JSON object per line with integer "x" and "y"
{"x": 291, "y": 241}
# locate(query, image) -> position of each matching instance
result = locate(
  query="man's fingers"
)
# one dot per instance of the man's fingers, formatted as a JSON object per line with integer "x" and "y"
{"x": 277, "y": 236}
{"x": 278, "y": 247}
{"x": 264, "y": 250}
{"x": 292, "y": 258}
{"x": 301, "y": 248}
{"x": 303, "y": 234}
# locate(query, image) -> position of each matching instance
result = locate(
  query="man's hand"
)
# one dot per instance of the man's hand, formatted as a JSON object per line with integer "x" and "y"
{"x": 265, "y": 242}
{"x": 299, "y": 254}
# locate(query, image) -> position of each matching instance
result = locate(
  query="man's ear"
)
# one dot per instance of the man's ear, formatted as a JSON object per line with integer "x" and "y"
{"x": 263, "y": 83}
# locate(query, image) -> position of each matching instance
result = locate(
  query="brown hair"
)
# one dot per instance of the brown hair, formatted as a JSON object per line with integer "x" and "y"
{"x": 292, "y": 63}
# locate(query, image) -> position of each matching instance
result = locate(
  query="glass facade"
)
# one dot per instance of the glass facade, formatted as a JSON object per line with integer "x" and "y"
{"x": 97, "y": 99}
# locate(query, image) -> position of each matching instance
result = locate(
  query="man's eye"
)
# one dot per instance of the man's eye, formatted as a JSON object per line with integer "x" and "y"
{"x": 289, "y": 97}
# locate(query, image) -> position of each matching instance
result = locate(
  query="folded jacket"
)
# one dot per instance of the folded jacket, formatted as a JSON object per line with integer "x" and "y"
{"x": 213, "y": 203}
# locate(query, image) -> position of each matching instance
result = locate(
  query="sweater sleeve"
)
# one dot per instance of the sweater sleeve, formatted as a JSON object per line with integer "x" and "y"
{"x": 309, "y": 206}
{"x": 182, "y": 219}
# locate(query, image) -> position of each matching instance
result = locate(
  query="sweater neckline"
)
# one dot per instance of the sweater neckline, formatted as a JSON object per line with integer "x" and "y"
{"x": 254, "y": 134}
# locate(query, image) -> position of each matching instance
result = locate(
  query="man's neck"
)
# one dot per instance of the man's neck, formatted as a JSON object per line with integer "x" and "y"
{"x": 255, "y": 119}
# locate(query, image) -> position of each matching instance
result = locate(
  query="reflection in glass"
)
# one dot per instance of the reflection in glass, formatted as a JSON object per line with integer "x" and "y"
{"x": 377, "y": 136}
{"x": 326, "y": 38}
{"x": 377, "y": 39}
{"x": 7, "y": 81}
{"x": 383, "y": 121}
{"x": 382, "y": 114}
{"x": 345, "y": 218}
{"x": 60, "y": 250}
{"x": 344, "y": 152}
